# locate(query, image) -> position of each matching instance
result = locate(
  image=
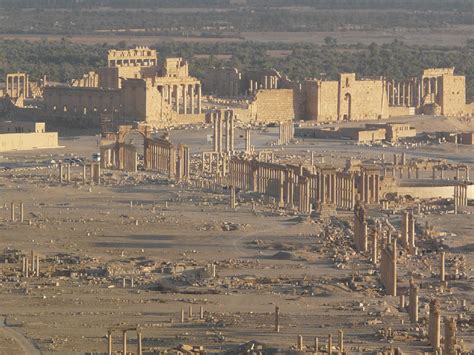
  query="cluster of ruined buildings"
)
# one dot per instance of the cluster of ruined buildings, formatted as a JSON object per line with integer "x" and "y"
{"x": 436, "y": 92}
{"x": 134, "y": 86}
{"x": 138, "y": 86}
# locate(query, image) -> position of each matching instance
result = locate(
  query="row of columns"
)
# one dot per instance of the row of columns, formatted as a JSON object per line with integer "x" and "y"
{"x": 324, "y": 186}
{"x": 223, "y": 139}
{"x": 160, "y": 156}
{"x": 124, "y": 341}
{"x": 411, "y": 93}
{"x": 269, "y": 82}
{"x": 369, "y": 186}
{"x": 460, "y": 196}
{"x": 414, "y": 172}
{"x": 408, "y": 231}
{"x": 183, "y": 166}
{"x": 31, "y": 264}
{"x": 13, "y": 212}
{"x": 184, "y": 98}
{"x": 17, "y": 84}
{"x": 90, "y": 173}
{"x": 340, "y": 349}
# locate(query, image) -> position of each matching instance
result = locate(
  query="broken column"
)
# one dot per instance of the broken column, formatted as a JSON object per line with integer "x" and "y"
{"x": 434, "y": 328}
{"x": 360, "y": 227}
{"x": 341, "y": 341}
{"x": 449, "y": 336}
{"x": 413, "y": 305}
{"x": 388, "y": 268}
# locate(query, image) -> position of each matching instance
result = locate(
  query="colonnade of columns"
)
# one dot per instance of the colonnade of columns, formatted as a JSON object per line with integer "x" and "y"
{"x": 17, "y": 84}
{"x": 437, "y": 171}
{"x": 160, "y": 156}
{"x": 360, "y": 228}
{"x": 31, "y": 266}
{"x": 294, "y": 185}
{"x": 124, "y": 341}
{"x": 408, "y": 231}
{"x": 13, "y": 212}
{"x": 183, "y": 163}
{"x": 268, "y": 82}
{"x": 223, "y": 138}
{"x": 412, "y": 92}
{"x": 184, "y": 98}
{"x": 369, "y": 185}
{"x": 460, "y": 196}
{"x": 90, "y": 172}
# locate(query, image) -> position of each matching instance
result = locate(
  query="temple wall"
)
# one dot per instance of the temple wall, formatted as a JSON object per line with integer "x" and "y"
{"x": 27, "y": 141}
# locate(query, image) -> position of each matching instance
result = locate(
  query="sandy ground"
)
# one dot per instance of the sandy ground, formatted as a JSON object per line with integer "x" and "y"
{"x": 132, "y": 224}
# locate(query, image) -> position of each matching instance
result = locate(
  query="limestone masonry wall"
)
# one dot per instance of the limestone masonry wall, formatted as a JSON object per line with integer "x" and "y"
{"x": 275, "y": 105}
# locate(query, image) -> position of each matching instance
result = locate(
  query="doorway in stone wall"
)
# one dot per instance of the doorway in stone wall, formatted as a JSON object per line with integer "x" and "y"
{"x": 347, "y": 107}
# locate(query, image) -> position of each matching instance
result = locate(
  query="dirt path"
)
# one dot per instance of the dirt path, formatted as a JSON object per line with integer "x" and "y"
{"x": 24, "y": 343}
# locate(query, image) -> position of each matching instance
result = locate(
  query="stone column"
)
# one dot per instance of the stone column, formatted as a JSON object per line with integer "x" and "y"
{"x": 124, "y": 351}
{"x": 374, "y": 247}
{"x": 330, "y": 344}
{"x": 277, "y": 319}
{"x": 232, "y": 198}
{"x": 219, "y": 133}
{"x": 199, "y": 99}
{"x": 109, "y": 342}
{"x": 413, "y": 305}
{"x": 247, "y": 141}
{"x": 442, "y": 276}
{"x": 177, "y": 88}
{"x": 193, "y": 99}
{"x": 341, "y": 341}
{"x": 185, "y": 99}
{"x": 299, "y": 345}
{"x": 139, "y": 342}
{"x": 434, "y": 331}
{"x": 12, "y": 212}
{"x": 449, "y": 336}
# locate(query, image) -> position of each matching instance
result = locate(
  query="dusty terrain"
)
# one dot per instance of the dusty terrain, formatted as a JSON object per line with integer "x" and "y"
{"x": 91, "y": 238}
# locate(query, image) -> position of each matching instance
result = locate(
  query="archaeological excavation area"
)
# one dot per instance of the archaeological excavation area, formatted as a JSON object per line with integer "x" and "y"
{"x": 229, "y": 238}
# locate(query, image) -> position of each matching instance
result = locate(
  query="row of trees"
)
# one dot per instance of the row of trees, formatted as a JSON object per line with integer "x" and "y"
{"x": 63, "y": 61}
{"x": 227, "y": 22}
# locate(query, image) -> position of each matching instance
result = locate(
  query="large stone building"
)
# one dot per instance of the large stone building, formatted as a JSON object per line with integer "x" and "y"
{"x": 26, "y": 136}
{"x": 435, "y": 91}
{"x": 134, "y": 86}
